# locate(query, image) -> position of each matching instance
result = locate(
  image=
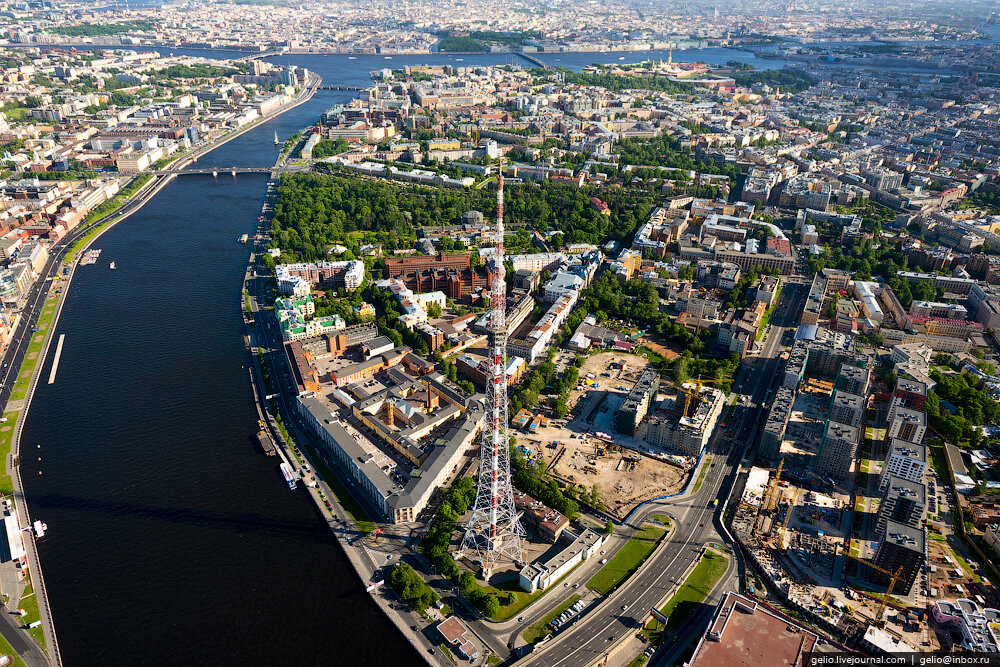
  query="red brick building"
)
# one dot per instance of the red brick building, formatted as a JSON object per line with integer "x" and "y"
{"x": 452, "y": 274}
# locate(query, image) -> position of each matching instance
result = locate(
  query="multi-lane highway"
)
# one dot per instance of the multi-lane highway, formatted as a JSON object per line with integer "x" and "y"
{"x": 696, "y": 523}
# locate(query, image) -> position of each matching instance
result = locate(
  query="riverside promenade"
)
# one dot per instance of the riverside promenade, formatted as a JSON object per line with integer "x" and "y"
{"x": 41, "y": 297}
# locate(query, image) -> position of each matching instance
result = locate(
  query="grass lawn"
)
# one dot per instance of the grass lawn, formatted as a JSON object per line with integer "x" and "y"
{"x": 508, "y": 611}
{"x": 701, "y": 475}
{"x": 965, "y": 564}
{"x": 116, "y": 202}
{"x": 20, "y": 389}
{"x": 661, "y": 519}
{"x": 627, "y": 560}
{"x": 692, "y": 593}
{"x": 346, "y": 500}
{"x": 639, "y": 661}
{"x": 83, "y": 240}
{"x": 539, "y": 629}
{"x": 7, "y": 649}
{"x": 14, "y": 112}
{"x": 6, "y": 438}
{"x": 29, "y": 603}
{"x": 447, "y": 651}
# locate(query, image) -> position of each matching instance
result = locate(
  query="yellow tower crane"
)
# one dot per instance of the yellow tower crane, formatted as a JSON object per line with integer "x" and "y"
{"x": 893, "y": 578}
{"x": 788, "y": 515}
{"x": 689, "y": 393}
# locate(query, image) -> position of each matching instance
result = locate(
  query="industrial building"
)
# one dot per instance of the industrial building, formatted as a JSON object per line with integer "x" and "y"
{"x": 540, "y": 575}
{"x": 452, "y": 426}
{"x": 547, "y": 523}
{"x": 744, "y": 631}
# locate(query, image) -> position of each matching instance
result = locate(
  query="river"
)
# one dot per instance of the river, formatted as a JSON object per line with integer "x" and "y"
{"x": 171, "y": 539}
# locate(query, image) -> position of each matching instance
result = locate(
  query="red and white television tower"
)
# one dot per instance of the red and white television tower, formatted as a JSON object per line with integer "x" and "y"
{"x": 494, "y": 531}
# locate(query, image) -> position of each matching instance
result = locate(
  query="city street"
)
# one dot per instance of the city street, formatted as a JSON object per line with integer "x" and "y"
{"x": 660, "y": 575}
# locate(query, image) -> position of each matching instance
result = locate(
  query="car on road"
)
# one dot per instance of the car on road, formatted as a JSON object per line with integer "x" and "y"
{"x": 702, "y": 525}
{"x": 611, "y": 638}
{"x": 624, "y": 607}
{"x": 520, "y": 619}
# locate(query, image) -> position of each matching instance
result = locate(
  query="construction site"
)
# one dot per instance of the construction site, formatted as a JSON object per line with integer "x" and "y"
{"x": 586, "y": 450}
{"x": 796, "y": 535}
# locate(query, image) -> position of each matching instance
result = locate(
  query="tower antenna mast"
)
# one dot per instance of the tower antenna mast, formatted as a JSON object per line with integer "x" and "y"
{"x": 494, "y": 531}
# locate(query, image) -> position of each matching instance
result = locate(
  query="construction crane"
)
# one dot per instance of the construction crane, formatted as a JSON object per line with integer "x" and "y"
{"x": 772, "y": 494}
{"x": 893, "y": 578}
{"x": 788, "y": 515}
{"x": 689, "y": 394}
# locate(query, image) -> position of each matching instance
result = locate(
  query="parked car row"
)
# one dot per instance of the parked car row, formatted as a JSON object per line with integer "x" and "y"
{"x": 566, "y": 615}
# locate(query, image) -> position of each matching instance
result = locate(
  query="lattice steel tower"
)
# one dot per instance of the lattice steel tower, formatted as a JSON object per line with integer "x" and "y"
{"x": 494, "y": 531}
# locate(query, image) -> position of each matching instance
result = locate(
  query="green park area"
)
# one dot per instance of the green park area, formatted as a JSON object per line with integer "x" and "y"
{"x": 690, "y": 595}
{"x": 513, "y": 600}
{"x": 349, "y": 504}
{"x": 106, "y": 209}
{"x": 627, "y": 560}
{"x": 33, "y": 355}
{"x": 29, "y": 603}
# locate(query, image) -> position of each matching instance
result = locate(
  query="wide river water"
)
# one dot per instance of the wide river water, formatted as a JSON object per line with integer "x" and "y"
{"x": 171, "y": 539}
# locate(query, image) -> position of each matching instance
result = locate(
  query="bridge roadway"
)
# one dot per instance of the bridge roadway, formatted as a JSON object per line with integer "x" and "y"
{"x": 696, "y": 524}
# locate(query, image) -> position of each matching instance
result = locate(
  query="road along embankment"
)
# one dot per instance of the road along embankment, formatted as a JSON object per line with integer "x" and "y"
{"x": 74, "y": 242}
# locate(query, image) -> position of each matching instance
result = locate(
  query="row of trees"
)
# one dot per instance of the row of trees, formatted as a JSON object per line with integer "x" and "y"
{"x": 329, "y": 148}
{"x": 99, "y": 29}
{"x": 739, "y": 296}
{"x": 411, "y": 587}
{"x": 200, "y": 71}
{"x": 437, "y": 542}
{"x": 543, "y": 380}
{"x": 387, "y": 308}
{"x": 460, "y": 44}
{"x": 666, "y": 151}
{"x": 117, "y": 98}
{"x": 638, "y": 302}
